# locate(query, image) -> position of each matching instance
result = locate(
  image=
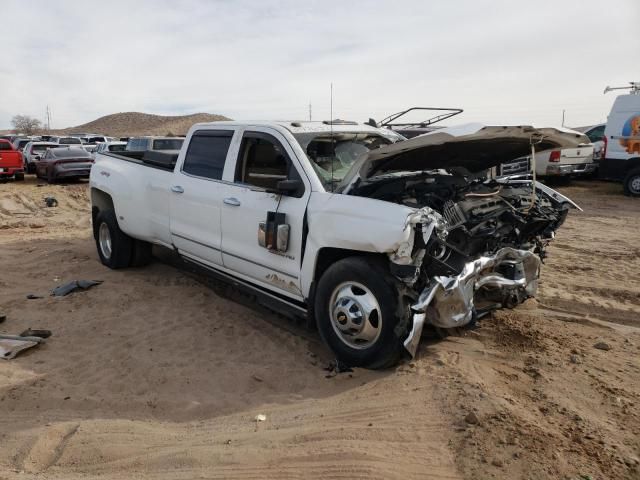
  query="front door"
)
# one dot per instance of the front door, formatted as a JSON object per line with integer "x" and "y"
{"x": 264, "y": 158}
{"x": 196, "y": 197}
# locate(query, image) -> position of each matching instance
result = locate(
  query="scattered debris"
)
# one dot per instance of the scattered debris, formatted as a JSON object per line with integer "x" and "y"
{"x": 602, "y": 346}
{"x": 72, "y": 286}
{"x": 472, "y": 418}
{"x": 336, "y": 367}
{"x": 260, "y": 417}
{"x": 575, "y": 359}
{"x": 257, "y": 378}
{"x": 32, "y": 296}
{"x": 51, "y": 202}
{"x": 11, "y": 345}
{"x": 34, "y": 332}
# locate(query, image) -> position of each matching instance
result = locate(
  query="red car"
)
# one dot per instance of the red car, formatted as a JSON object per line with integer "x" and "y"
{"x": 64, "y": 162}
{"x": 11, "y": 162}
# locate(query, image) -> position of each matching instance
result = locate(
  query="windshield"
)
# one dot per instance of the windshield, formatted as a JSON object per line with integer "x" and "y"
{"x": 168, "y": 144}
{"x": 333, "y": 156}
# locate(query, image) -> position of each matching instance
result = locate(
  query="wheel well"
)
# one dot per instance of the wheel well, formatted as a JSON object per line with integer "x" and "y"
{"x": 327, "y": 256}
{"x": 100, "y": 201}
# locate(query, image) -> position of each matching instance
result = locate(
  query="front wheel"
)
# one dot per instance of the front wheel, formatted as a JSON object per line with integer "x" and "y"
{"x": 632, "y": 183}
{"x": 114, "y": 246}
{"x": 356, "y": 310}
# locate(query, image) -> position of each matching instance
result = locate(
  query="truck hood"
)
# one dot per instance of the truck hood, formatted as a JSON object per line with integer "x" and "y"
{"x": 475, "y": 147}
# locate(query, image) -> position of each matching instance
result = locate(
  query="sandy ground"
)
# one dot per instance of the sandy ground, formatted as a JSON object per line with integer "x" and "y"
{"x": 154, "y": 374}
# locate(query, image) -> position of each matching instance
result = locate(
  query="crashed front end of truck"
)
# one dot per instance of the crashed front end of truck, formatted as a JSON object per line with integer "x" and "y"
{"x": 474, "y": 243}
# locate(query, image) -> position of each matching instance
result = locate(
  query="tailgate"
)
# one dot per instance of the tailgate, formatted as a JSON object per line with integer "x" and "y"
{"x": 577, "y": 155}
{"x": 10, "y": 159}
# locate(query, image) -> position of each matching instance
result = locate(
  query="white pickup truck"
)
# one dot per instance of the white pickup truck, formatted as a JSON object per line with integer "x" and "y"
{"x": 370, "y": 235}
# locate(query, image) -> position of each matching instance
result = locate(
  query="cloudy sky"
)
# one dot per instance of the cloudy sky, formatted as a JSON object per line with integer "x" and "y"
{"x": 504, "y": 62}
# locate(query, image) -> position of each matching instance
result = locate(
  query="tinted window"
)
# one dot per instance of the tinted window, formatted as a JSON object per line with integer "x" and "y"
{"x": 5, "y": 146}
{"x": 116, "y": 148}
{"x": 70, "y": 141}
{"x": 39, "y": 148}
{"x": 207, "y": 153}
{"x": 168, "y": 144}
{"x": 262, "y": 162}
{"x": 70, "y": 153}
{"x": 596, "y": 134}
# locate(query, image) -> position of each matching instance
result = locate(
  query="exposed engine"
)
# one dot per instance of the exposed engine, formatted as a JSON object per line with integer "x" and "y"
{"x": 492, "y": 240}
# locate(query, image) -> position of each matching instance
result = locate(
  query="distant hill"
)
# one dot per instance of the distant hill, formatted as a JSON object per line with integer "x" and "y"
{"x": 136, "y": 123}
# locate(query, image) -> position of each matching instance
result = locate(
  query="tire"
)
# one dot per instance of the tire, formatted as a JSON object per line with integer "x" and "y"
{"x": 631, "y": 183}
{"x": 19, "y": 177}
{"x": 115, "y": 248}
{"x": 141, "y": 254}
{"x": 343, "y": 293}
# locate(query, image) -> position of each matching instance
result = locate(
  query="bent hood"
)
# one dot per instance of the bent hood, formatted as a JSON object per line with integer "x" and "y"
{"x": 475, "y": 147}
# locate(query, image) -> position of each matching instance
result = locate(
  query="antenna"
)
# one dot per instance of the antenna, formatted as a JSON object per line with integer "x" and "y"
{"x": 633, "y": 86}
{"x": 333, "y": 145}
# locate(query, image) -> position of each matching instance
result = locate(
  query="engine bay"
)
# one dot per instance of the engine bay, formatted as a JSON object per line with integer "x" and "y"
{"x": 482, "y": 217}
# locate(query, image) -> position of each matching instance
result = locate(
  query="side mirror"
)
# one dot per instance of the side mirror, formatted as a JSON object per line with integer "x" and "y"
{"x": 37, "y": 157}
{"x": 288, "y": 187}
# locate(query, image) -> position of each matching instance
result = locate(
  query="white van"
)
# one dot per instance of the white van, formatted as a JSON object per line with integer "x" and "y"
{"x": 621, "y": 158}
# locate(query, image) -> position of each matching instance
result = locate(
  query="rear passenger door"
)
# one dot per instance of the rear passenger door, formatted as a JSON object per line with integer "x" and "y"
{"x": 196, "y": 197}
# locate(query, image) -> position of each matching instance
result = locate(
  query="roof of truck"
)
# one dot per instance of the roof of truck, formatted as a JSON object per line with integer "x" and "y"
{"x": 298, "y": 126}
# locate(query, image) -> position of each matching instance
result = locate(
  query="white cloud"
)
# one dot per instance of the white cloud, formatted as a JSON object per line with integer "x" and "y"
{"x": 502, "y": 61}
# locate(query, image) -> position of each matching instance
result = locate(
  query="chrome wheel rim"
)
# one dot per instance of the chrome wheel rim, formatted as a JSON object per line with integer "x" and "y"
{"x": 634, "y": 184}
{"x": 104, "y": 239}
{"x": 356, "y": 316}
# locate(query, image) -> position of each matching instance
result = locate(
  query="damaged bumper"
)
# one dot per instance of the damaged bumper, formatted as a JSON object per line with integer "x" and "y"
{"x": 449, "y": 301}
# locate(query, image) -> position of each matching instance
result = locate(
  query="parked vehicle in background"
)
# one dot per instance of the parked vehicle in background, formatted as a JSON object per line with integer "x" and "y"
{"x": 565, "y": 162}
{"x": 165, "y": 144}
{"x": 369, "y": 238}
{"x": 64, "y": 163}
{"x": 11, "y": 162}
{"x": 33, "y": 151}
{"x": 621, "y": 159}
{"x": 91, "y": 143}
{"x": 595, "y": 133}
{"x": 109, "y": 147}
{"x": 69, "y": 141}
{"x": 20, "y": 142}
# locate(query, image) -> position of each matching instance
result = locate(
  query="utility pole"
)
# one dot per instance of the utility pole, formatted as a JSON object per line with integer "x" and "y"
{"x": 563, "y": 117}
{"x": 309, "y": 111}
{"x": 48, "y": 120}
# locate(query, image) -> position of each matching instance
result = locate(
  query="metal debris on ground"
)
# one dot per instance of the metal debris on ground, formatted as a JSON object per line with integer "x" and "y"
{"x": 11, "y": 345}
{"x": 36, "y": 332}
{"x": 260, "y": 418}
{"x": 32, "y": 296}
{"x": 336, "y": 367}
{"x": 51, "y": 201}
{"x": 72, "y": 286}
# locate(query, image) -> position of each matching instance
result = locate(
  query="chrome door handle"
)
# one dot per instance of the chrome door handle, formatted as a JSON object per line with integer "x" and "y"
{"x": 234, "y": 202}
{"x": 177, "y": 189}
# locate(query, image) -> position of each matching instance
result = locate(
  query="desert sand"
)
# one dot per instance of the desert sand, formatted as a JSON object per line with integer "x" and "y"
{"x": 155, "y": 374}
